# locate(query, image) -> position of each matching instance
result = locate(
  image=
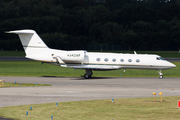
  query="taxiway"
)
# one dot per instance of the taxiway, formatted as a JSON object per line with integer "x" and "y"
{"x": 76, "y": 89}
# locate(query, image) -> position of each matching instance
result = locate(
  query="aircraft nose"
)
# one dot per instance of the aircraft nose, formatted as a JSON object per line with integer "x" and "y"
{"x": 172, "y": 65}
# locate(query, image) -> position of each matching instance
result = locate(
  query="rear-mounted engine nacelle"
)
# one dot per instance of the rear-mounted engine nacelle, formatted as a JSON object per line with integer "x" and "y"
{"x": 73, "y": 56}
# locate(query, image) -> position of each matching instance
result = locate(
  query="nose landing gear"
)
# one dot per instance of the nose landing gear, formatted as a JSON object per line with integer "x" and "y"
{"x": 160, "y": 74}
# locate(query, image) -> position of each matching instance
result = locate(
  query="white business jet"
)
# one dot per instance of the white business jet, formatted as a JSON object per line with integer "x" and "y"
{"x": 36, "y": 49}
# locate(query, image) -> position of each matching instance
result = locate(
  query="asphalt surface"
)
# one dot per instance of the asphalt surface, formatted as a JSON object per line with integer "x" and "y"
{"x": 77, "y": 89}
{"x": 4, "y": 118}
{"x": 14, "y": 59}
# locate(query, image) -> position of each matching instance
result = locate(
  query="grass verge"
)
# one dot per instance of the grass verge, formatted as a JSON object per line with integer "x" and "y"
{"x": 33, "y": 68}
{"x": 121, "y": 109}
{"x": 6, "y": 84}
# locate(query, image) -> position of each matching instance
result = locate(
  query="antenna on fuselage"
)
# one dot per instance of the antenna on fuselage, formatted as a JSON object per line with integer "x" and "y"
{"x": 135, "y": 52}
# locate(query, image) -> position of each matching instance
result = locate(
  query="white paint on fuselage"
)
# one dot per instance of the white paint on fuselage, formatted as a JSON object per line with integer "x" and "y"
{"x": 90, "y": 60}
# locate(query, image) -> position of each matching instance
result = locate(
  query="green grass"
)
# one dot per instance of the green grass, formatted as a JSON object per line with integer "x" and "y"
{"x": 165, "y": 54}
{"x": 33, "y": 68}
{"x": 6, "y": 84}
{"x": 121, "y": 109}
{"x": 12, "y": 53}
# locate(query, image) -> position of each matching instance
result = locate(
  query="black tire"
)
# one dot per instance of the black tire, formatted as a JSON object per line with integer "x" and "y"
{"x": 161, "y": 77}
{"x": 86, "y": 76}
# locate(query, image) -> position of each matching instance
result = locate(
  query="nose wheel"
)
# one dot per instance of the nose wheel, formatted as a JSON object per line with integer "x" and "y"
{"x": 160, "y": 74}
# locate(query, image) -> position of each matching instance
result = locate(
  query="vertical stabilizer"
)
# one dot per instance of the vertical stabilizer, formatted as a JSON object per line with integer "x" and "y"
{"x": 31, "y": 41}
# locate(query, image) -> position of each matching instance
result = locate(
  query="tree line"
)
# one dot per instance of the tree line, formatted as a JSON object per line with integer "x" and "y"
{"x": 78, "y": 24}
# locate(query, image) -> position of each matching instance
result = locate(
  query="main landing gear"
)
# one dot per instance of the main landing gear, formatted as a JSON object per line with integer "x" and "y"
{"x": 160, "y": 74}
{"x": 88, "y": 74}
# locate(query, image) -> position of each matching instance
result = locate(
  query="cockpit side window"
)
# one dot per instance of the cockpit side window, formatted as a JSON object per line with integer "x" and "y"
{"x": 157, "y": 58}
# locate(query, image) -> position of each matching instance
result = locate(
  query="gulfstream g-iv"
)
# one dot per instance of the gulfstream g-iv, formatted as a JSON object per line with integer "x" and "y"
{"x": 36, "y": 49}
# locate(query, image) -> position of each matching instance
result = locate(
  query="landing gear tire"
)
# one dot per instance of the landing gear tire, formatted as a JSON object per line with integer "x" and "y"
{"x": 87, "y": 76}
{"x": 161, "y": 76}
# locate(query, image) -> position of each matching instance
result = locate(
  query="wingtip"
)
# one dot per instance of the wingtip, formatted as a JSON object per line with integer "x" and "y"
{"x": 7, "y": 32}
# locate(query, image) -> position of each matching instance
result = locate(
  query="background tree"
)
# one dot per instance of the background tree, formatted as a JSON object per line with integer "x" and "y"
{"x": 77, "y": 24}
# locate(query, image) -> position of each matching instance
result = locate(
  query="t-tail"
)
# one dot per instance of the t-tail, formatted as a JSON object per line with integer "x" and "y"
{"x": 33, "y": 45}
{"x": 31, "y": 41}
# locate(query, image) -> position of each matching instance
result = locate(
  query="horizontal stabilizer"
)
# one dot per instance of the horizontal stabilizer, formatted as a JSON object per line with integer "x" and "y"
{"x": 21, "y": 31}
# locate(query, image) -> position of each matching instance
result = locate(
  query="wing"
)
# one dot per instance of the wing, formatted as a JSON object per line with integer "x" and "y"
{"x": 93, "y": 67}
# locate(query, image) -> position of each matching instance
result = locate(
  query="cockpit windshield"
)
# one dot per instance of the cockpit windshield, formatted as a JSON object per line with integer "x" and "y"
{"x": 160, "y": 58}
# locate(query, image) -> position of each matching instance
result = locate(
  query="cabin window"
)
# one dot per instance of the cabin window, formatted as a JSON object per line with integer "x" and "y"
{"x": 106, "y": 59}
{"x": 98, "y": 59}
{"x": 130, "y": 60}
{"x": 122, "y": 60}
{"x": 137, "y": 60}
{"x": 114, "y": 60}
